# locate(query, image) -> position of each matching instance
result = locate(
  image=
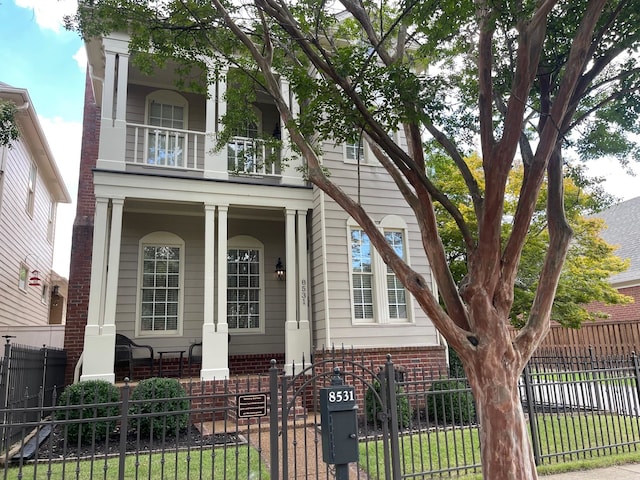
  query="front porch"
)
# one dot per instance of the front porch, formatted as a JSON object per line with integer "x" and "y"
{"x": 172, "y": 274}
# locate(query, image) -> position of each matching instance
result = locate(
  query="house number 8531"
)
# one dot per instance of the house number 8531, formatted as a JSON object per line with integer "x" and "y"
{"x": 341, "y": 396}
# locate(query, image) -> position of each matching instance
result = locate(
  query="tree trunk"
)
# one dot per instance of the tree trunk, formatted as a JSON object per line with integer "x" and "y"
{"x": 505, "y": 446}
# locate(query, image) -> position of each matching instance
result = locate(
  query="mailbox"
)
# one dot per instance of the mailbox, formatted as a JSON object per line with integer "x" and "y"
{"x": 339, "y": 423}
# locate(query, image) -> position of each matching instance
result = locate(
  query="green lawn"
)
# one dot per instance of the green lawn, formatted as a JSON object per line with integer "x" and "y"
{"x": 242, "y": 462}
{"x": 459, "y": 447}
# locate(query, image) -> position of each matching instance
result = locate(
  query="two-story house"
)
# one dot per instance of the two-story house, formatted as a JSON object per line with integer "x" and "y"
{"x": 178, "y": 242}
{"x": 31, "y": 187}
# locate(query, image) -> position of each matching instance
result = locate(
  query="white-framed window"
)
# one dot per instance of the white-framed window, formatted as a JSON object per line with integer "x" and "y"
{"x": 23, "y": 277}
{"x": 168, "y": 112}
{"x": 377, "y": 295}
{"x": 51, "y": 221}
{"x": 355, "y": 152}
{"x": 31, "y": 188}
{"x": 44, "y": 294}
{"x": 245, "y": 150}
{"x": 161, "y": 285}
{"x": 245, "y": 285}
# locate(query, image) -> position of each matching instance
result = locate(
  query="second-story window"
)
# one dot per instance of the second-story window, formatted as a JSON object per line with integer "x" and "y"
{"x": 167, "y": 112}
{"x": 31, "y": 188}
{"x": 354, "y": 152}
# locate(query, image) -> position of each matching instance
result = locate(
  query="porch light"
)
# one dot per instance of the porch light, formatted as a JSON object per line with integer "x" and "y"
{"x": 55, "y": 296}
{"x": 280, "y": 271}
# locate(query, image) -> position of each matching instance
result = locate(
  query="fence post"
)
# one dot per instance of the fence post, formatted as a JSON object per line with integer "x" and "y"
{"x": 274, "y": 468}
{"x": 636, "y": 368}
{"x": 531, "y": 411}
{"x": 4, "y": 374}
{"x": 124, "y": 428}
{"x": 393, "y": 416}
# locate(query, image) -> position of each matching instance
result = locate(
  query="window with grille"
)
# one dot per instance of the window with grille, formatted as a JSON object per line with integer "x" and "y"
{"x": 167, "y": 111}
{"x": 160, "y": 293}
{"x": 377, "y": 295}
{"x": 245, "y": 297}
{"x": 361, "y": 275}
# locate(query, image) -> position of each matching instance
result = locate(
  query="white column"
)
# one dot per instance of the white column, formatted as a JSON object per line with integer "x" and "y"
{"x": 296, "y": 334}
{"x": 113, "y": 130}
{"x": 215, "y": 337}
{"x": 215, "y": 162}
{"x": 121, "y": 92}
{"x": 99, "y": 341}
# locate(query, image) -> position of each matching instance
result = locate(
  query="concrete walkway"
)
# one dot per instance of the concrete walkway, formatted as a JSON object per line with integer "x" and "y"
{"x": 619, "y": 472}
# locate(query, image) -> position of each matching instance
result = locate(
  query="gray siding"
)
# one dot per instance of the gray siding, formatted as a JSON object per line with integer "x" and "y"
{"x": 191, "y": 229}
{"x": 23, "y": 239}
{"x": 380, "y": 198}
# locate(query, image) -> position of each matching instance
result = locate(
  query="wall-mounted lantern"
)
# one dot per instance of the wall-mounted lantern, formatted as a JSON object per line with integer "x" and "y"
{"x": 280, "y": 271}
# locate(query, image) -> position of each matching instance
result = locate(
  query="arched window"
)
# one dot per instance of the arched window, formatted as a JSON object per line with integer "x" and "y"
{"x": 160, "y": 284}
{"x": 245, "y": 285}
{"x": 167, "y": 111}
{"x": 377, "y": 295}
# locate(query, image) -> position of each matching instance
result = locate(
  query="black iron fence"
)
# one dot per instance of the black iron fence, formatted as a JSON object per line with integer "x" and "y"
{"x": 28, "y": 378}
{"x": 412, "y": 423}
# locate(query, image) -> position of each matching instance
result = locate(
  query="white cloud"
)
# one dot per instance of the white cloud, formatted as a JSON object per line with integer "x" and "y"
{"x": 49, "y": 13}
{"x": 81, "y": 58}
{"x": 64, "y": 139}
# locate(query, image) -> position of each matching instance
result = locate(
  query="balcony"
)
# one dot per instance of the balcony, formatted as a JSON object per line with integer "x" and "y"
{"x": 171, "y": 149}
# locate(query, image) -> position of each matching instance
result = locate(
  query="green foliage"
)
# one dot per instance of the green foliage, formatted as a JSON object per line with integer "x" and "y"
{"x": 590, "y": 260}
{"x": 373, "y": 406}
{"x": 450, "y": 402}
{"x": 456, "y": 370}
{"x": 8, "y": 127}
{"x": 91, "y": 399}
{"x": 166, "y": 401}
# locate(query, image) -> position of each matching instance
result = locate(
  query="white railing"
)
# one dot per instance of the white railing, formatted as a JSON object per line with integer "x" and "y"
{"x": 250, "y": 156}
{"x": 165, "y": 147}
{"x": 171, "y": 148}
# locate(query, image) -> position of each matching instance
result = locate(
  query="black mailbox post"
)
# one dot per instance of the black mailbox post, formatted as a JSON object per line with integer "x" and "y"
{"x": 339, "y": 423}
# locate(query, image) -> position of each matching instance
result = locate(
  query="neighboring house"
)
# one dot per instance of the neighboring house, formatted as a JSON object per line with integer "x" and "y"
{"x": 623, "y": 231}
{"x": 176, "y": 243}
{"x": 31, "y": 188}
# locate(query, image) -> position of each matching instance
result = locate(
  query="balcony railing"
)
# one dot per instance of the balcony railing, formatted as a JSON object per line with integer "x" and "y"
{"x": 251, "y": 156}
{"x": 165, "y": 147}
{"x": 171, "y": 148}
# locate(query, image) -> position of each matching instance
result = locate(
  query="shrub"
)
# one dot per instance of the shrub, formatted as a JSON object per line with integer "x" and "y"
{"x": 456, "y": 370}
{"x": 90, "y": 399}
{"x": 451, "y": 402}
{"x": 373, "y": 406}
{"x": 160, "y": 397}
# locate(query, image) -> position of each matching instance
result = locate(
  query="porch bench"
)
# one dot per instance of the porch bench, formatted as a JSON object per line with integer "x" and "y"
{"x": 130, "y": 353}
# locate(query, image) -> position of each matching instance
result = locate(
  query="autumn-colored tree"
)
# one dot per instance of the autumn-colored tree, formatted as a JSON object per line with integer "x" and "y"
{"x": 497, "y": 77}
{"x": 590, "y": 260}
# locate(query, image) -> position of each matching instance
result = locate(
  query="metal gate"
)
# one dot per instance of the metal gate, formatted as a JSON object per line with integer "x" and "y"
{"x": 295, "y": 432}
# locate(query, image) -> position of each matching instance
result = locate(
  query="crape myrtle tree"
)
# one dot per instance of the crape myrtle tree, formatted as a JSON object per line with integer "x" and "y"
{"x": 507, "y": 79}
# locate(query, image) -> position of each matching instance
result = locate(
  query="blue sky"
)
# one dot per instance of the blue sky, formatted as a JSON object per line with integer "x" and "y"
{"x": 38, "y": 54}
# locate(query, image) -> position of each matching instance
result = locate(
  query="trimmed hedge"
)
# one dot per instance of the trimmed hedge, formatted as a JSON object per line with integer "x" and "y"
{"x": 373, "y": 406}
{"x": 89, "y": 400}
{"x": 160, "y": 397}
{"x": 450, "y": 402}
